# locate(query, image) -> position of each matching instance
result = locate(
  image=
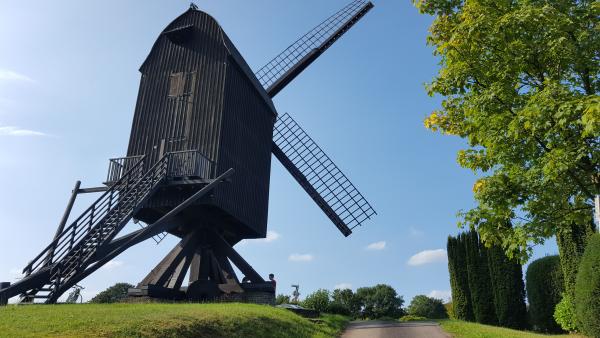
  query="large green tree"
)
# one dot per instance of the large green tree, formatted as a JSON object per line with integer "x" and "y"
{"x": 520, "y": 81}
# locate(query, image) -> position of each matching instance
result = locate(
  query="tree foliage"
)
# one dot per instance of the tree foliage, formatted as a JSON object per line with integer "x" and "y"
{"x": 459, "y": 281}
{"x": 282, "y": 299}
{"x": 480, "y": 285}
{"x": 380, "y": 301}
{"x": 318, "y": 300}
{"x": 520, "y": 81}
{"x": 564, "y": 314}
{"x": 113, "y": 294}
{"x": 587, "y": 291}
{"x": 346, "y": 302}
{"x": 423, "y": 306}
{"x": 545, "y": 286}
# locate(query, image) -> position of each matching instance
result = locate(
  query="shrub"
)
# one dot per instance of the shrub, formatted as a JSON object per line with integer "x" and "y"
{"x": 318, "y": 301}
{"x": 412, "y": 318}
{"x": 113, "y": 294}
{"x": 380, "y": 301}
{"x": 587, "y": 289}
{"x": 545, "y": 286}
{"x": 423, "y": 306}
{"x": 564, "y": 314}
{"x": 282, "y": 299}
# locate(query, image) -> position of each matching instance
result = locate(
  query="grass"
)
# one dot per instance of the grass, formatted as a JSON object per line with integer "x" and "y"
{"x": 460, "y": 329}
{"x": 162, "y": 320}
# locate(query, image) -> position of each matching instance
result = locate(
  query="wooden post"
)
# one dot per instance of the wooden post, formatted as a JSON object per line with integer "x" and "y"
{"x": 63, "y": 221}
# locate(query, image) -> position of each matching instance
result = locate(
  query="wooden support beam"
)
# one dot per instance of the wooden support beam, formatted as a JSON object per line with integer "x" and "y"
{"x": 235, "y": 257}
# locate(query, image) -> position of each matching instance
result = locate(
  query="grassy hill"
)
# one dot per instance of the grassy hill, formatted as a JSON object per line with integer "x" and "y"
{"x": 161, "y": 320}
{"x": 460, "y": 329}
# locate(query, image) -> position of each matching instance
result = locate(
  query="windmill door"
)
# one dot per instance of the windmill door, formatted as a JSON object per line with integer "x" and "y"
{"x": 179, "y": 109}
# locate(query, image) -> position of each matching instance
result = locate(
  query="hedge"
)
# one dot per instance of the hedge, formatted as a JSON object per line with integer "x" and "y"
{"x": 545, "y": 285}
{"x": 587, "y": 290}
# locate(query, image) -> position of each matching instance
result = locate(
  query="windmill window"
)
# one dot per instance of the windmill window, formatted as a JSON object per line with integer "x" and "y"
{"x": 176, "y": 84}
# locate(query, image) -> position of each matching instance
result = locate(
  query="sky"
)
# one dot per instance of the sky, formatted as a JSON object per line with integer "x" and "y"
{"x": 68, "y": 84}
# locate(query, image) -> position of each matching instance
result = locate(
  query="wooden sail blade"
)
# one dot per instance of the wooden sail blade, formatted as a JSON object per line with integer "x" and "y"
{"x": 324, "y": 182}
{"x": 282, "y": 69}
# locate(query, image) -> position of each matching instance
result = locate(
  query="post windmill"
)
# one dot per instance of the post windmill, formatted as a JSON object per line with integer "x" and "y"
{"x": 198, "y": 167}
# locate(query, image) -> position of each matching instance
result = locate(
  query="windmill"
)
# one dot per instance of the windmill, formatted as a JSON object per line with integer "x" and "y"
{"x": 198, "y": 167}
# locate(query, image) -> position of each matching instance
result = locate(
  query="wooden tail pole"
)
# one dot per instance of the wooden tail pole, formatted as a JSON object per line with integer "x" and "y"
{"x": 64, "y": 219}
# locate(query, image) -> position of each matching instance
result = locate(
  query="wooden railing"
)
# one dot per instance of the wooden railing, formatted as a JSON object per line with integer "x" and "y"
{"x": 117, "y": 167}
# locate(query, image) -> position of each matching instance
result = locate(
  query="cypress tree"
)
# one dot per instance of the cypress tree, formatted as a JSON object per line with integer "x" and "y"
{"x": 480, "y": 286}
{"x": 571, "y": 245}
{"x": 508, "y": 288}
{"x": 459, "y": 283}
{"x": 545, "y": 286}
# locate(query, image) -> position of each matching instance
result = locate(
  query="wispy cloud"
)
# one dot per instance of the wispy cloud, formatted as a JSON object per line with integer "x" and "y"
{"x": 271, "y": 237}
{"x": 301, "y": 257}
{"x": 415, "y": 232}
{"x": 376, "y": 246}
{"x": 343, "y": 286}
{"x": 444, "y": 295}
{"x": 15, "y": 273}
{"x": 112, "y": 265}
{"x": 9, "y": 75}
{"x": 16, "y": 131}
{"x": 427, "y": 257}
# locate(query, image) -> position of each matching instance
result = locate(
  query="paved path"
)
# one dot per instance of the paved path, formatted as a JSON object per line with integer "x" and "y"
{"x": 378, "y": 329}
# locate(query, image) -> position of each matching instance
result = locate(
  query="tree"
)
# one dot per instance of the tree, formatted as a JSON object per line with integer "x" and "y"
{"x": 345, "y": 300}
{"x": 113, "y": 294}
{"x": 380, "y": 301}
{"x": 506, "y": 275}
{"x": 282, "y": 299}
{"x": 480, "y": 285}
{"x": 318, "y": 300}
{"x": 520, "y": 81}
{"x": 587, "y": 291}
{"x": 427, "y": 307}
{"x": 459, "y": 281}
{"x": 545, "y": 286}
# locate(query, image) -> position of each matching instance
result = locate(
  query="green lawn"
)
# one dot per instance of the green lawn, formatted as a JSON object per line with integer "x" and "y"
{"x": 161, "y": 320}
{"x": 460, "y": 329}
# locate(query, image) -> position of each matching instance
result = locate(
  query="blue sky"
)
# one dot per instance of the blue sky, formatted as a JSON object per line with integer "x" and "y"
{"x": 68, "y": 83}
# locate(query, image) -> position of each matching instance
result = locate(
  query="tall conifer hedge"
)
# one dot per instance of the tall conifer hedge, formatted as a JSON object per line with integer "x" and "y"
{"x": 508, "y": 288}
{"x": 545, "y": 285}
{"x": 480, "y": 285}
{"x": 459, "y": 282}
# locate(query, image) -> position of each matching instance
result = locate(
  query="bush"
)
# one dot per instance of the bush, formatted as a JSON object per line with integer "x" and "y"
{"x": 282, "y": 299}
{"x": 380, "y": 301}
{"x": 564, "y": 314}
{"x": 318, "y": 301}
{"x": 423, "y": 306}
{"x": 412, "y": 318}
{"x": 113, "y": 294}
{"x": 545, "y": 286}
{"x": 587, "y": 289}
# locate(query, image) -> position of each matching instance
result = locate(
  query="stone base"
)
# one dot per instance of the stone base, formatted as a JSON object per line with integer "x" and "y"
{"x": 256, "y": 293}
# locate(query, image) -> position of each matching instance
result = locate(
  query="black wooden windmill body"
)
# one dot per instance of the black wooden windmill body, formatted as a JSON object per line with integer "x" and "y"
{"x": 198, "y": 167}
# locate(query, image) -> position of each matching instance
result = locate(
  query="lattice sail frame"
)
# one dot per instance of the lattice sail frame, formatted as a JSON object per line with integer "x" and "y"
{"x": 327, "y": 180}
{"x": 318, "y": 37}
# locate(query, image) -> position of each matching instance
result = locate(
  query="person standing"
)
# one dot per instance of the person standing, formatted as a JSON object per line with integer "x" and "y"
{"x": 273, "y": 281}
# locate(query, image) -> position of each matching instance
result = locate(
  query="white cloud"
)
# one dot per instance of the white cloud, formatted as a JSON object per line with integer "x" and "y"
{"x": 342, "y": 286}
{"x": 112, "y": 265}
{"x": 301, "y": 257}
{"x": 9, "y": 75}
{"x": 427, "y": 257}
{"x": 15, "y": 273}
{"x": 271, "y": 237}
{"x": 444, "y": 295}
{"x": 16, "y": 131}
{"x": 376, "y": 246}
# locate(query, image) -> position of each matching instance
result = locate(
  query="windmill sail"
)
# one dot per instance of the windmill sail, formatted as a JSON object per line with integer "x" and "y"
{"x": 280, "y": 71}
{"x": 319, "y": 176}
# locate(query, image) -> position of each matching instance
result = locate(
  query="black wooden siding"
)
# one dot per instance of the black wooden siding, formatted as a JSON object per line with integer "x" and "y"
{"x": 230, "y": 119}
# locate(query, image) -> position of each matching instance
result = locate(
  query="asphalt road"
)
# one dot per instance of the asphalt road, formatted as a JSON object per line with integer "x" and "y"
{"x": 377, "y": 329}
